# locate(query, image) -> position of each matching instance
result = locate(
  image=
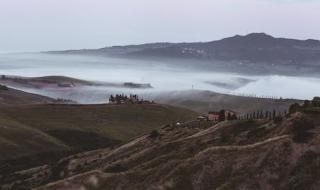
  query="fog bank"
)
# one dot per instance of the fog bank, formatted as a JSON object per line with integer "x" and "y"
{"x": 163, "y": 76}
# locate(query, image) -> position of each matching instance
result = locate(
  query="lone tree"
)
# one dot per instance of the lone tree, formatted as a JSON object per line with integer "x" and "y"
{"x": 267, "y": 115}
{"x": 274, "y": 114}
{"x": 154, "y": 134}
{"x": 222, "y": 116}
{"x": 232, "y": 117}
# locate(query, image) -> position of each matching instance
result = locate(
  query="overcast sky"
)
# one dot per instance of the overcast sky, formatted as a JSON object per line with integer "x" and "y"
{"x": 34, "y": 25}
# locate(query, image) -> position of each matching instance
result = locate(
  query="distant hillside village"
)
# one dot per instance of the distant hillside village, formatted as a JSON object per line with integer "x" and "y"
{"x": 227, "y": 115}
{"x": 124, "y": 99}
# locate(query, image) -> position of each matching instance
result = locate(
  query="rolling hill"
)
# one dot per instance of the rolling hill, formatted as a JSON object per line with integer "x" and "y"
{"x": 34, "y": 130}
{"x": 60, "y": 82}
{"x": 244, "y": 154}
{"x": 259, "y": 51}
{"x": 204, "y": 101}
{"x": 9, "y": 96}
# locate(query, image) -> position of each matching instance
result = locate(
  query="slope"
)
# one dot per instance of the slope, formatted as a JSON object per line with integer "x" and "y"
{"x": 248, "y": 154}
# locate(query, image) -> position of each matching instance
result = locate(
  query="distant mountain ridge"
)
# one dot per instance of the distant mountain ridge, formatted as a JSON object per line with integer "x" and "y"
{"x": 254, "y": 47}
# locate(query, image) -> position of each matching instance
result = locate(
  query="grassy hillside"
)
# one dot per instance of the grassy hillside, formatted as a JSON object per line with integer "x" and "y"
{"x": 53, "y": 130}
{"x": 246, "y": 154}
{"x": 11, "y": 96}
{"x": 204, "y": 101}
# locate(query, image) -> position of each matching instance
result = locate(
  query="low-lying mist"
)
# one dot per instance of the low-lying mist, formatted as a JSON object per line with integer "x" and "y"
{"x": 166, "y": 76}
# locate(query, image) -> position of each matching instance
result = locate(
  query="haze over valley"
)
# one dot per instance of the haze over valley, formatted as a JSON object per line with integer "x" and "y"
{"x": 237, "y": 65}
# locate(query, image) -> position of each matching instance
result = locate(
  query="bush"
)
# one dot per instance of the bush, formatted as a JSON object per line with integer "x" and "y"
{"x": 300, "y": 129}
{"x": 117, "y": 168}
{"x": 2, "y": 87}
{"x": 278, "y": 119}
{"x": 154, "y": 134}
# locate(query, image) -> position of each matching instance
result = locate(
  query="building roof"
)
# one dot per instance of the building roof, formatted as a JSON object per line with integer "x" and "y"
{"x": 213, "y": 112}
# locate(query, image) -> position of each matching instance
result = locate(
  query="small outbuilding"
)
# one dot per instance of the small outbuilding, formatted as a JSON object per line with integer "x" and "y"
{"x": 202, "y": 118}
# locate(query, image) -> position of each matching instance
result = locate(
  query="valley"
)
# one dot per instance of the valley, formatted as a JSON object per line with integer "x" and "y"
{"x": 59, "y": 129}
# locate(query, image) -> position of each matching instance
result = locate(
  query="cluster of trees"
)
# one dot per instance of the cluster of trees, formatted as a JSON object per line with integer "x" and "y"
{"x": 121, "y": 98}
{"x": 315, "y": 102}
{"x": 261, "y": 97}
{"x": 64, "y": 101}
{"x": 2, "y": 87}
{"x": 264, "y": 115}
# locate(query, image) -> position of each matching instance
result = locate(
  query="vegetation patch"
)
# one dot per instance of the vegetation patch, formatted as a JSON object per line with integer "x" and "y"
{"x": 82, "y": 140}
{"x": 300, "y": 128}
{"x": 117, "y": 168}
{"x": 2, "y": 87}
{"x": 154, "y": 134}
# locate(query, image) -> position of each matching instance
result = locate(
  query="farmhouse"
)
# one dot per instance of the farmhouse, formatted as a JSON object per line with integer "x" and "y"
{"x": 213, "y": 116}
{"x": 222, "y": 115}
{"x": 229, "y": 115}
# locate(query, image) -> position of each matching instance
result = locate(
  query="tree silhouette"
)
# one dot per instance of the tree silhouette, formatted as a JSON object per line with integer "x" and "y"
{"x": 274, "y": 114}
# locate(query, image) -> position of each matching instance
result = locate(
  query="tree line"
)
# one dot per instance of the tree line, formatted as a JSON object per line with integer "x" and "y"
{"x": 132, "y": 98}
{"x": 272, "y": 115}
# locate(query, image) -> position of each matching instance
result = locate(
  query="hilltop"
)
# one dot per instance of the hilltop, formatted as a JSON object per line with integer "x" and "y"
{"x": 9, "y": 96}
{"x": 257, "y": 53}
{"x": 60, "y": 79}
{"x": 60, "y": 82}
{"x": 243, "y": 154}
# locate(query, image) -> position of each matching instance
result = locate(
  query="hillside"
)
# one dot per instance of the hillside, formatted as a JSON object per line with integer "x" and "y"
{"x": 245, "y": 154}
{"x": 203, "y": 101}
{"x": 60, "y": 79}
{"x": 42, "y": 133}
{"x": 259, "y": 50}
{"x": 9, "y": 96}
{"x": 61, "y": 82}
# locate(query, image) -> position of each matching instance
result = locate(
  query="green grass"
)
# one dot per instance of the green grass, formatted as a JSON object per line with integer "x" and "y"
{"x": 20, "y": 140}
{"x": 119, "y": 122}
{"x": 17, "y": 97}
{"x": 35, "y": 129}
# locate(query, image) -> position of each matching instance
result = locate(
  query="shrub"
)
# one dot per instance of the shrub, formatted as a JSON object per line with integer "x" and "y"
{"x": 117, "y": 168}
{"x": 278, "y": 119}
{"x": 2, "y": 87}
{"x": 294, "y": 108}
{"x": 300, "y": 129}
{"x": 154, "y": 134}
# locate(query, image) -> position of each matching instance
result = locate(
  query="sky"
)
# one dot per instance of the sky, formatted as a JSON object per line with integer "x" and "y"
{"x": 40, "y": 25}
